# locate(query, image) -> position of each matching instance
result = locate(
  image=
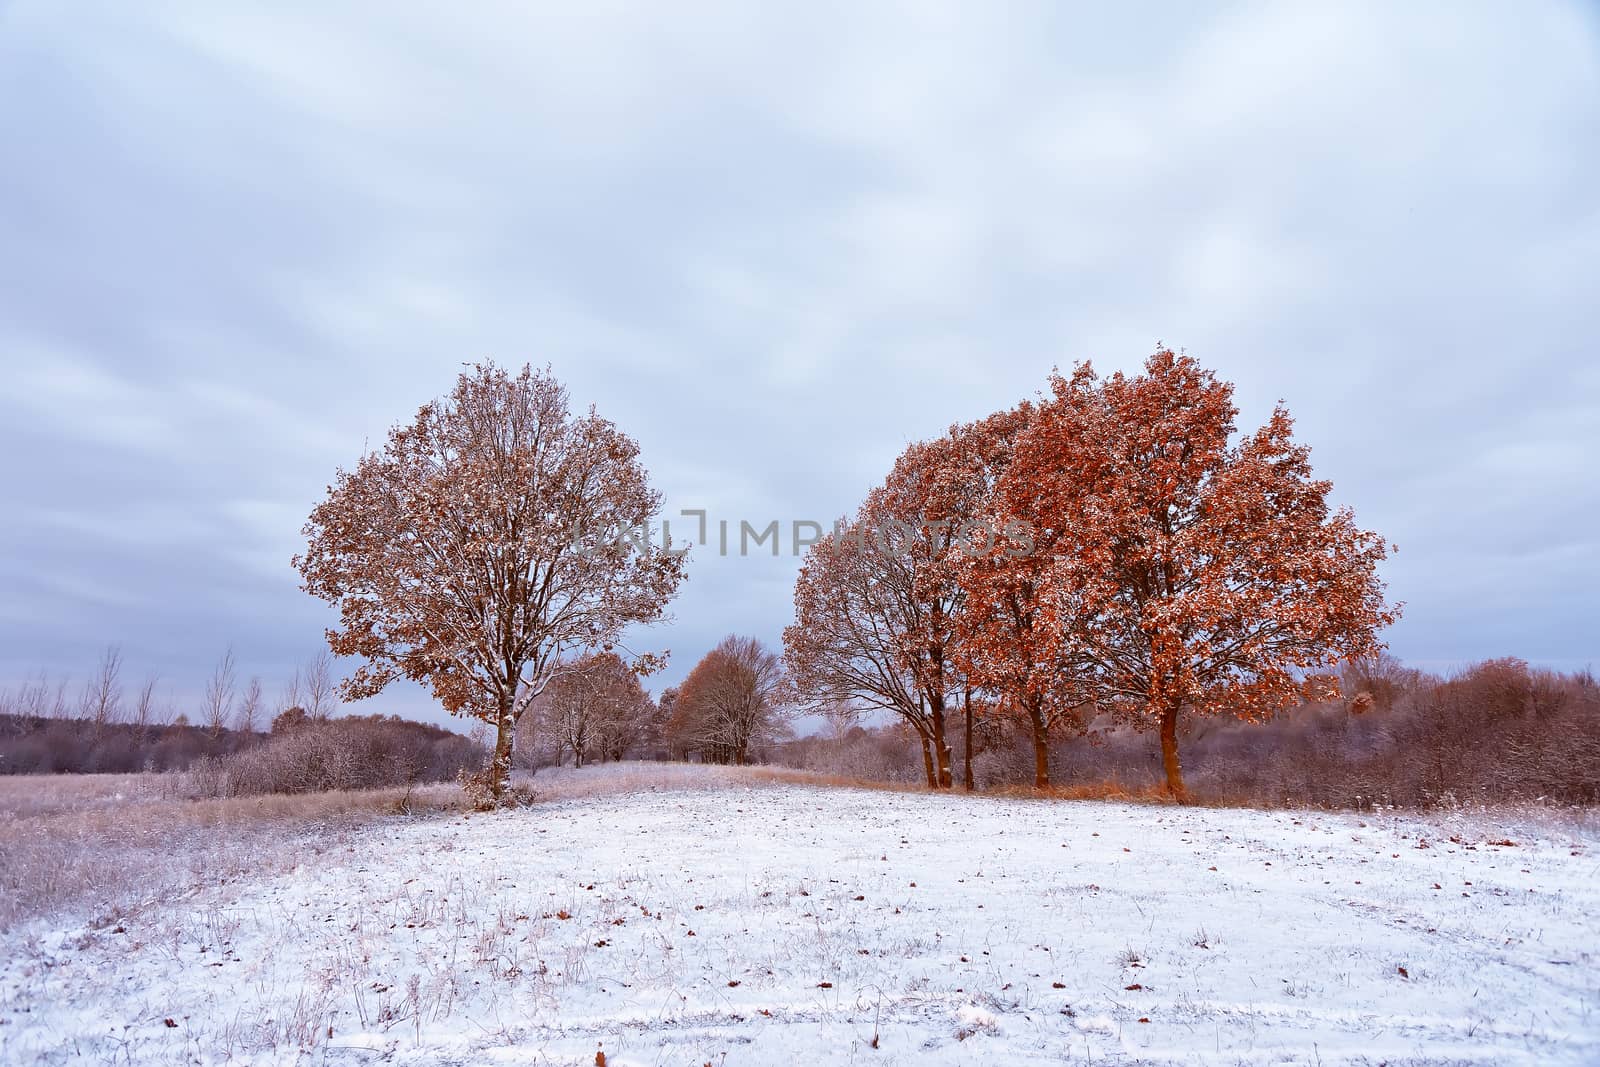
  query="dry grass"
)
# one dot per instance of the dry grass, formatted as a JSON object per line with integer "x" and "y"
{"x": 1111, "y": 790}
{"x": 1470, "y": 817}
{"x": 102, "y": 844}
{"x": 564, "y": 783}
{"x": 99, "y": 844}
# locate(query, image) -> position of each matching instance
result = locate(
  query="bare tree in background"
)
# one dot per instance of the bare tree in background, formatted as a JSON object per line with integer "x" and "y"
{"x": 33, "y": 698}
{"x": 851, "y": 604}
{"x": 102, "y": 694}
{"x": 290, "y": 696}
{"x": 651, "y": 743}
{"x": 58, "y": 708}
{"x": 319, "y": 686}
{"x": 596, "y": 709}
{"x": 144, "y": 706}
{"x": 219, "y": 694}
{"x": 666, "y": 707}
{"x": 1381, "y": 677}
{"x": 249, "y": 707}
{"x": 839, "y": 716}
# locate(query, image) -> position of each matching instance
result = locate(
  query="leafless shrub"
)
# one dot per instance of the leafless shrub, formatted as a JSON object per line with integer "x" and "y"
{"x": 338, "y": 754}
{"x": 1496, "y": 732}
{"x": 878, "y": 754}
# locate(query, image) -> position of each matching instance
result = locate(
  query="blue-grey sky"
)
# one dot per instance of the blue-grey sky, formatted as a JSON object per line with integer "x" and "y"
{"x": 776, "y": 245}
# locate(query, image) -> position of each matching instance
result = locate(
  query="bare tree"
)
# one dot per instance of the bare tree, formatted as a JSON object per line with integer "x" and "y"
{"x": 839, "y": 716}
{"x": 489, "y": 539}
{"x": 102, "y": 693}
{"x": 852, "y": 603}
{"x": 249, "y": 707}
{"x": 319, "y": 685}
{"x": 596, "y": 709}
{"x": 651, "y": 742}
{"x": 290, "y": 697}
{"x": 219, "y": 694}
{"x": 1381, "y": 677}
{"x": 144, "y": 707}
{"x": 33, "y": 698}
{"x": 58, "y": 708}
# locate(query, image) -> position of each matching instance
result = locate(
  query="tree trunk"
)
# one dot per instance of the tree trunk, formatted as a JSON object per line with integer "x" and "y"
{"x": 1169, "y": 754}
{"x": 927, "y": 761}
{"x": 941, "y": 747}
{"x": 500, "y": 765}
{"x": 966, "y": 711}
{"x": 1041, "y": 743}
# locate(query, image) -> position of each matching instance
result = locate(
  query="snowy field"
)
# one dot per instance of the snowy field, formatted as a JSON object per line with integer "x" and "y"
{"x": 735, "y": 921}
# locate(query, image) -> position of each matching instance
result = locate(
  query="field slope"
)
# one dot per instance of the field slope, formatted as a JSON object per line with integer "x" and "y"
{"x": 742, "y": 922}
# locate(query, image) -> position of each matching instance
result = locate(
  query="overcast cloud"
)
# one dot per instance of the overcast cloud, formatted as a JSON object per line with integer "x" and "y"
{"x": 237, "y": 246}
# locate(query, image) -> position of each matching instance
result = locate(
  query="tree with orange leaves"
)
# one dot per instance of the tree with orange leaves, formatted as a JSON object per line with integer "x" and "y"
{"x": 993, "y": 642}
{"x": 489, "y": 538}
{"x": 732, "y": 704}
{"x": 1187, "y": 573}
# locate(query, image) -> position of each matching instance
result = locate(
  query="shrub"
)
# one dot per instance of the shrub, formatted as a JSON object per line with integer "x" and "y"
{"x": 339, "y": 754}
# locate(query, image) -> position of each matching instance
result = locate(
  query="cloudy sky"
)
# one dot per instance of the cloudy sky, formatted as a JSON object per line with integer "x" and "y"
{"x": 236, "y": 246}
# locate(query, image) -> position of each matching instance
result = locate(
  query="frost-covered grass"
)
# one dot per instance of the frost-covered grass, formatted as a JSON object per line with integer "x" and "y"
{"x": 687, "y": 916}
{"x": 95, "y": 846}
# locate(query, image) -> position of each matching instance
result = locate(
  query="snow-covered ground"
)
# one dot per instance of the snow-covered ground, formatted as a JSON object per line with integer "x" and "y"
{"x": 781, "y": 924}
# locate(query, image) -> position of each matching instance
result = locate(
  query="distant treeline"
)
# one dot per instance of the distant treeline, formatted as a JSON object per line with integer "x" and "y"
{"x": 332, "y": 753}
{"x": 34, "y": 744}
{"x": 1498, "y": 731}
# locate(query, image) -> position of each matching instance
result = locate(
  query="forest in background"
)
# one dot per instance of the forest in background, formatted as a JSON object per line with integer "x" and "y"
{"x": 1498, "y": 731}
